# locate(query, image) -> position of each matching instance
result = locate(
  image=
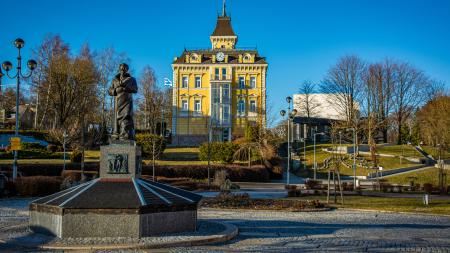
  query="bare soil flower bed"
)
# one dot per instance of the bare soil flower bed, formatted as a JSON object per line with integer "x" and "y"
{"x": 243, "y": 201}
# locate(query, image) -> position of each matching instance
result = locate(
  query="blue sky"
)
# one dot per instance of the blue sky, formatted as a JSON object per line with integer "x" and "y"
{"x": 301, "y": 39}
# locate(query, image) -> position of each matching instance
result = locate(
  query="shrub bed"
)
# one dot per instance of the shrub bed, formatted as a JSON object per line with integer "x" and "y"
{"x": 48, "y": 169}
{"x": 233, "y": 201}
{"x": 236, "y": 173}
{"x": 146, "y": 141}
{"x": 41, "y": 135}
{"x": 220, "y": 151}
{"x": 37, "y": 185}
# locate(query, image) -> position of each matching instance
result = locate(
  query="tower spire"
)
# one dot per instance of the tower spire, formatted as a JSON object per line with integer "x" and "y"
{"x": 224, "y": 12}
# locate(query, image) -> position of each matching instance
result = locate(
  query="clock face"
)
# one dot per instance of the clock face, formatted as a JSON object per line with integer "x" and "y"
{"x": 220, "y": 56}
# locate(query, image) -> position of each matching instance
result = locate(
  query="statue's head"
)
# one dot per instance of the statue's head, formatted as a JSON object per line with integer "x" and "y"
{"x": 123, "y": 68}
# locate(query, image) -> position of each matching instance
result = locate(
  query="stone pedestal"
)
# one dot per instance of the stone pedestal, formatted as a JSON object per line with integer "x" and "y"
{"x": 117, "y": 204}
{"x": 120, "y": 161}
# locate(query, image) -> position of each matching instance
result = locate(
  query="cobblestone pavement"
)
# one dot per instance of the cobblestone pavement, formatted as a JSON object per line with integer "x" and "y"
{"x": 338, "y": 231}
{"x": 342, "y": 231}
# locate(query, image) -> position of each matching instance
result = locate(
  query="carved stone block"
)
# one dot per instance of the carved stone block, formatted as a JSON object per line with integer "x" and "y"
{"x": 120, "y": 161}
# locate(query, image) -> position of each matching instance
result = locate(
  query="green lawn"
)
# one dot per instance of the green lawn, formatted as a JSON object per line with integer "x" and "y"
{"x": 35, "y": 161}
{"x": 399, "y": 150}
{"x": 388, "y": 204}
{"x": 180, "y": 154}
{"x": 387, "y": 163}
{"x": 429, "y": 175}
{"x": 445, "y": 154}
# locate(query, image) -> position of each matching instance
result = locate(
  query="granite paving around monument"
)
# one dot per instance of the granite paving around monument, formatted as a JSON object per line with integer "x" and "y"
{"x": 272, "y": 231}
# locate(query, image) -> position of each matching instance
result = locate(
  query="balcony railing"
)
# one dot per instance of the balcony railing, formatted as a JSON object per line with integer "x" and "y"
{"x": 225, "y": 78}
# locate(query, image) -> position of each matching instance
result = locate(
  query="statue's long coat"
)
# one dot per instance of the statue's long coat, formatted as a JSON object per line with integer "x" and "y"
{"x": 124, "y": 104}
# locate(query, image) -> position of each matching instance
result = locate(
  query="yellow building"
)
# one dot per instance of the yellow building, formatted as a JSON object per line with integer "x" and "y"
{"x": 217, "y": 91}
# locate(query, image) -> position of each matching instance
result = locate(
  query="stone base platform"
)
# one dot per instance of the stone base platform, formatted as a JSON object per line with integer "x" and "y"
{"x": 106, "y": 207}
{"x": 208, "y": 232}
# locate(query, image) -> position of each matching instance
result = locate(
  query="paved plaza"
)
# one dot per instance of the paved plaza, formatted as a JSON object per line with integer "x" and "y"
{"x": 339, "y": 230}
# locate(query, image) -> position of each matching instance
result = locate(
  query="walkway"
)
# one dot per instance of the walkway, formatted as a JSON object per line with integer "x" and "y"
{"x": 338, "y": 231}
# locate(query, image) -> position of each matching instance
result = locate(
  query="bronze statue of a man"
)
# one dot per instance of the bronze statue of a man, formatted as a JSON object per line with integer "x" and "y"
{"x": 122, "y": 87}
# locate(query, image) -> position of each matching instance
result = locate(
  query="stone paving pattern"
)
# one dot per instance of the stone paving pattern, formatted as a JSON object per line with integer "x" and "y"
{"x": 340, "y": 230}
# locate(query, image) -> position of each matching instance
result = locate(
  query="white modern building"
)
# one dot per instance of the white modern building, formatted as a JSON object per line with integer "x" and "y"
{"x": 324, "y": 109}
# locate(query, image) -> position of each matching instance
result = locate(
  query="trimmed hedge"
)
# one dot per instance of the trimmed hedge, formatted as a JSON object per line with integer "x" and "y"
{"x": 32, "y": 146}
{"x": 76, "y": 156}
{"x": 220, "y": 151}
{"x": 236, "y": 173}
{"x": 146, "y": 141}
{"x": 37, "y": 185}
{"x": 41, "y": 135}
{"x": 48, "y": 169}
{"x": 30, "y": 154}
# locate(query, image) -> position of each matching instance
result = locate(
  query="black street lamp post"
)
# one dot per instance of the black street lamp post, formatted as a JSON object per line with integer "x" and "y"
{"x": 7, "y": 66}
{"x": 291, "y": 115}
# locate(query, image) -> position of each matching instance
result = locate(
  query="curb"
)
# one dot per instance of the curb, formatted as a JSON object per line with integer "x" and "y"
{"x": 325, "y": 209}
{"x": 385, "y": 211}
{"x": 227, "y": 234}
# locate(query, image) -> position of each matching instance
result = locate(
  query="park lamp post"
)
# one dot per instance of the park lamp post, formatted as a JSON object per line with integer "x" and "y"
{"x": 354, "y": 156}
{"x": 7, "y": 66}
{"x": 315, "y": 163}
{"x": 64, "y": 148}
{"x": 304, "y": 152}
{"x": 291, "y": 115}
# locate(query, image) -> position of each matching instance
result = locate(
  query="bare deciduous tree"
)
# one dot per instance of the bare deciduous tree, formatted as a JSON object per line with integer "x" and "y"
{"x": 152, "y": 102}
{"x": 307, "y": 104}
{"x": 344, "y": 84}
{"x": 409, "y": 92}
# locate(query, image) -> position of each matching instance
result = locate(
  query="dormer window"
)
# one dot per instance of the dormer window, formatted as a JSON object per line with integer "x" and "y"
{"x": 247, "y": 58}
{"x": 194, "y": 58}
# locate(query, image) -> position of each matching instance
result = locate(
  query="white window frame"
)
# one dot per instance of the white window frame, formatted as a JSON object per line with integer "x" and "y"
{"x": 183, "y": 83}
{"x": 226, "y": 114}
{"x": 217, "y": 74}
{"x": 241, "y": 85}
{"x": 199, "y": 78}
{"x": 241, "y": 108}
{"x": 199, "y": 103}
{"x": 252, "y": 108}
{"x": 223, "y": 74}
{"x": 252, "y": 84}
{"x": 183, "y": 103}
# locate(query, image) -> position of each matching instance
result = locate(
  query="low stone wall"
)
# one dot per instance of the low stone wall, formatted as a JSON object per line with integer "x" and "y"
{"x": 169, "y": 222}
{"x": 46, "y": 223}
{"x": 130, "y": 225}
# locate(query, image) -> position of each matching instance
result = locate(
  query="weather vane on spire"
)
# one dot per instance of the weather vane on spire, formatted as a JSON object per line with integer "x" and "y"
{"x": 224, "y": 13}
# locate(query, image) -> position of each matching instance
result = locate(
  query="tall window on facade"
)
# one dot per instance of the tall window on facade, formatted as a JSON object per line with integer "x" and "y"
{"x": 224, "y": 74}
{"x": 198, "y": 82}
{"x": 252, "y": 82}
{"x": 216, "y": 73}
{"x": 252, "y": 106}
{"x": 226, "y": 114}
{"x": 184, "y": 105}
{"x": 241, "y": 107}
{"x": 241, "y": 82}
{"x": 226, "y": 93}
{"x": 184, "y": 82}
{"x": 197, "y": 107}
